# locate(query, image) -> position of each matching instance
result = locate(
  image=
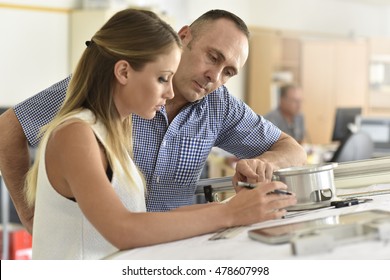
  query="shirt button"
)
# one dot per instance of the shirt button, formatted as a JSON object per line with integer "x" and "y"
{"x": 158, "y": 179}
{"x": 164, "y": 143}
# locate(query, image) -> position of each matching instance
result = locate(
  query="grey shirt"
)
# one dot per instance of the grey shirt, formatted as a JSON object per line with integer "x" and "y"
{"x": 295, "y": 129}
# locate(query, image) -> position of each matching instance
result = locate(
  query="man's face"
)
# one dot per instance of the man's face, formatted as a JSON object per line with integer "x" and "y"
{"x": 217, "y": 53}
{"x": 291, "y": 103}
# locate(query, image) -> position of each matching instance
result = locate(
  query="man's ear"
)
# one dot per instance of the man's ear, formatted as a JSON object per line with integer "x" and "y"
{"x": 185, "y": 34}
{"x": 122, "y": 71}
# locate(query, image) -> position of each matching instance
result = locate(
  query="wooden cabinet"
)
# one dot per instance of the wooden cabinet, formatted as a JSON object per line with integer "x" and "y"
{"x": 264, "y": 53}
{"x": 291, "y": 54}
{"x": 334, "y": 74}
{"x": 271, "y": 52}
{"x": 318, "y": 87}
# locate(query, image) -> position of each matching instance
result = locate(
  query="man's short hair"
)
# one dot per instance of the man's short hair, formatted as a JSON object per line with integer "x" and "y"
{"x": 285, "y": 88}
{"x": 218, "y": 14}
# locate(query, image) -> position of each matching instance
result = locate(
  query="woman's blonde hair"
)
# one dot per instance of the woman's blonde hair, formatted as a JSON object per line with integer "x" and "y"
{"x": 136, "y": 36}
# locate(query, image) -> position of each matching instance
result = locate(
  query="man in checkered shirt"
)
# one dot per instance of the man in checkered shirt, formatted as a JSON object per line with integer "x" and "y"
{"x": 172, "y": 148}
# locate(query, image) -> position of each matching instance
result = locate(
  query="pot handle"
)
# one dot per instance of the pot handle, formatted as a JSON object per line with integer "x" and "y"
{"x": 321, "y": 195}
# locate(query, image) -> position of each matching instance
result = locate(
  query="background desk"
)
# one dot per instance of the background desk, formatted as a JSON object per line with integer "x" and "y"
{"x": 242, "y": 247}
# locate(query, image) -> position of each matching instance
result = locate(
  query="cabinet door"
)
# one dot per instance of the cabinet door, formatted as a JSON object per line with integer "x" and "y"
{"x": 334, "y": 74}
{"x": 262, "y": 61}
{"x": 351, "y": 74}
{"x": 317, "y": 84}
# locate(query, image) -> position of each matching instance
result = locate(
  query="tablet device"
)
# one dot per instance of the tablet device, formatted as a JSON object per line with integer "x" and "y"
{"x": 284, "y": 233}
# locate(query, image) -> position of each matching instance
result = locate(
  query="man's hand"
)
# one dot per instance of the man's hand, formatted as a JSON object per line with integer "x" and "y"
{"x": 253, "y": 171}
{"x": 286, "y": 152}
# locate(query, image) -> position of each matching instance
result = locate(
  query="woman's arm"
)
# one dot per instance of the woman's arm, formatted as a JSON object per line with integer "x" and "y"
{"x": 81, "y": 171}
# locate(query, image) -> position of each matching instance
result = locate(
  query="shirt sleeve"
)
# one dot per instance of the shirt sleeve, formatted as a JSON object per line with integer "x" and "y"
{"x": 245, "y": 133}
{"x": 40, "y": 109}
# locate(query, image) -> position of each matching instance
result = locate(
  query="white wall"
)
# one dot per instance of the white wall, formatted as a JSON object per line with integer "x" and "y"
{"x": 46, "y": 3}
{"x": 387, "y": 34}
{"x": 33, "y": 52}
{"x": 34, "y": 48}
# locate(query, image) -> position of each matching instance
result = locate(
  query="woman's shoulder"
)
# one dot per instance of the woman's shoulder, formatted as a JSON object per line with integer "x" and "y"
{"x": 72, "y": 130}
{"x": 76, "y": 122}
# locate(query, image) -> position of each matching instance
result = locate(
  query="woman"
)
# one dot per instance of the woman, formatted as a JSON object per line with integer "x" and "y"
{"x": 89, "y": 196}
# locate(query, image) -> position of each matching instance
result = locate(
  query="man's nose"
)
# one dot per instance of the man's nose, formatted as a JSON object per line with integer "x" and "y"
{"x": 214, "y": 74}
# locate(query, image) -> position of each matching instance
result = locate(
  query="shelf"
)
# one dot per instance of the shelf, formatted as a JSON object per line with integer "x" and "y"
{"x": 362, "y": 173}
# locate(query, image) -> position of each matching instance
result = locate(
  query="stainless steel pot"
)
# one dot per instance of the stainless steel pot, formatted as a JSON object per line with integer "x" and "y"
{"x": 313, "y": 184}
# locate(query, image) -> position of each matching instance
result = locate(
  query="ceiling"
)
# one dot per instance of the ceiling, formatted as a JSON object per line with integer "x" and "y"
{"x": 370, "y": 2}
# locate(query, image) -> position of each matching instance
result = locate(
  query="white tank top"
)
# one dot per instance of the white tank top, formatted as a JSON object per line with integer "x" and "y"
{"x": 61, "y": 231}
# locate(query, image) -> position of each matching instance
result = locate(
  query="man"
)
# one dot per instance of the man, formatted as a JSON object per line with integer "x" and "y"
{"x": 288, "y": 115}
{"x": 172, "y": 148}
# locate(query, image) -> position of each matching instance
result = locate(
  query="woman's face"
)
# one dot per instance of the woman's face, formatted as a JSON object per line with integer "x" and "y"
{"x": 145, "y": 92}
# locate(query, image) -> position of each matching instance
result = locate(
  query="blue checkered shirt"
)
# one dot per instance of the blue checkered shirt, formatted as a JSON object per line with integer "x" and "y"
{"x": 172, "y": 155}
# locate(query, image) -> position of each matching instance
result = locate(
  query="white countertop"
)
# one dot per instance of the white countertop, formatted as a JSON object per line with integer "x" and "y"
{"x": 242, "y": 247}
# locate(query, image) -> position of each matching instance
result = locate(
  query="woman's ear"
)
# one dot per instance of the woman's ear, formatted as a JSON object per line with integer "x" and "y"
{"x": 122, "y": 71}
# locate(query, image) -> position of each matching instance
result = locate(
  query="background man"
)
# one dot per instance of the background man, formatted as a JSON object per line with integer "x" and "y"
{"x": 288, "y": 116}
